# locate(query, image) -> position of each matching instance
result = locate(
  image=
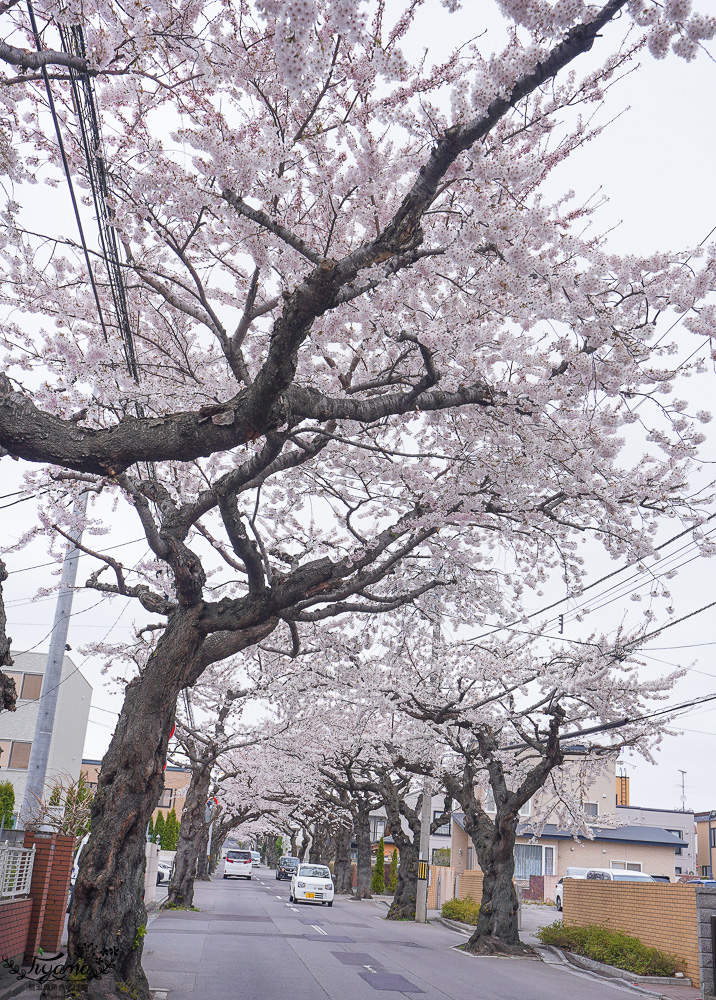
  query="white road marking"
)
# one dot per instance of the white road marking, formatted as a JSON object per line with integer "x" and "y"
{"x": 374, "y": 971}
{"x": 319, "y": 929}
{"x": 279, "y": 897}
{"x": 295, "y": 909}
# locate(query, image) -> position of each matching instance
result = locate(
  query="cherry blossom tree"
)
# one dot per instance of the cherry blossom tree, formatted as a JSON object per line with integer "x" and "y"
{"x": 361, "y": 343}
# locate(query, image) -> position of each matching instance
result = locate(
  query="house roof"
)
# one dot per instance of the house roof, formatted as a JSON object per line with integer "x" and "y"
{"x": 623, "y": 834}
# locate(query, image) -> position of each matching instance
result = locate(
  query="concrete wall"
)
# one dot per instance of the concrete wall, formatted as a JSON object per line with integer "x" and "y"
{"x": 706, "y": 912}
{"x": 660, "y": 915}
{"x": 444, "y": 879}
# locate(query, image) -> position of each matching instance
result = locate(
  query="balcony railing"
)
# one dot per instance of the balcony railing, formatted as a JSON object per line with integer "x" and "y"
{"x": 15, "y": 870}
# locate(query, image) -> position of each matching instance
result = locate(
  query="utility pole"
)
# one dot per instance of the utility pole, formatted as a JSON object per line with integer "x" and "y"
{"x": 40, "y": 752}
{"x": 421, "y": 895}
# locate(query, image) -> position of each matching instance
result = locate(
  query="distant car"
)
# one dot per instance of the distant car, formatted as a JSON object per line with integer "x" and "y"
{"x": 255, "y": 859}
{"x": 286, "y": 867}
{"x": 661, "y": 878}
{"x": 237, "y": 864}
{"x": 600, "y": 875}
{"x": 164, "y": 872}
{"x": 700, "y": 881}
{"x": 312, "y": 884}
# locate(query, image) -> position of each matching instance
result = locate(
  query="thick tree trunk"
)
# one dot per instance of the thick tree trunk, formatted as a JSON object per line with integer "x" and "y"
{"x": 108, "y": 911}
{"x": 192, "y": 834}
{"x": 342, "y": 867}
{"x": 403, "y": 905}
{"x": 497, "y": 924}
{"x": 202, "y": 864}
{"x": 363, "y": 843}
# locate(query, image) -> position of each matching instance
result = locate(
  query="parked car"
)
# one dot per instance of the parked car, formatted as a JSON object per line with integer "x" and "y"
{"x": 661, "y": 878}
{"x": 237, "y": 864}
{"x": 255, "y": 859}
{"x": 286, "y": 867}
{"x": 312, "y": 884}
{"x": 598, "y": 874}
{"x": 164, "y": 872}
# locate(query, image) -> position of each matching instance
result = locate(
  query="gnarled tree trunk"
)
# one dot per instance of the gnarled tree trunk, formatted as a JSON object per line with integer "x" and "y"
{"x": 342, "y": 867}
{"x": 108, "y": 911}
{"x": 497, "y": 924}
{"x": 403, "y": 905}
{"x": 361, "y": 819}
{"x": 202, "y": 864}
{"x": 192, "y": 834}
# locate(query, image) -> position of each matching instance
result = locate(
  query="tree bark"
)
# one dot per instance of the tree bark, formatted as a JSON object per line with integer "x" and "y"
{"x": 202, "y": 865}
{"x": 192, "y": 835}
{"x": 361, "y": 820}
{"x": 497, "y": 923}
{"x": 108, "y": 911}
{"x": 342, "y": 867}
{"x": 403, "y": 905}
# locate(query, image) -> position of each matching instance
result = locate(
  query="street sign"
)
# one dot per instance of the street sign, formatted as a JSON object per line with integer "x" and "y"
{"x": 423, "y": 868}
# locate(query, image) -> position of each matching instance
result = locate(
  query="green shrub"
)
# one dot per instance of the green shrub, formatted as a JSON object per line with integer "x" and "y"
{"x": 377, "y": 882}
{"x": 611, "y": 948}
{"x": 393, "y": 876}
{"x": 466, "y": 910}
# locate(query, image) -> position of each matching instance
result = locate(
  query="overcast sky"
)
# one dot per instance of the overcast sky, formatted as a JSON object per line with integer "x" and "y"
{"x": 655, "y": 164}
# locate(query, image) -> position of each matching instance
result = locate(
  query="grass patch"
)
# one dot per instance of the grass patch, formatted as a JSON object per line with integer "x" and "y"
{"x": 611, "y": 947}
{"x": 465, "y": 910}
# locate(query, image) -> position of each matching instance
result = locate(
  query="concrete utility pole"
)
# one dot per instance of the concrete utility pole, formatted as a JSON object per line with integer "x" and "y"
{"x": 421, "y": 896}
{"x": 40, "y": 752}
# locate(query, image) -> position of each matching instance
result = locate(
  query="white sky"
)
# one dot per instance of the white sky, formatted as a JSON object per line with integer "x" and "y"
{"x": 656, "y": 166}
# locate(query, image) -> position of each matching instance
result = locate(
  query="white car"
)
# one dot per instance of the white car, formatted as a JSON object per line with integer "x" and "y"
{"x": 255, "y": 859}
{"x": 164, "y": 872}
{"x": 312, "y": 884}
{"x": 601, "y": 875}
{"x": 238, "y": 864}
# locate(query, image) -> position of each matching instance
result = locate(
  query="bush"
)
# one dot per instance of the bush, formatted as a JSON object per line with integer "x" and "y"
{"x": 611, "y": 948}
{"x": 393, "y": 876}
{"x": 377, "y": 882}
{"x": 466, "y": 910}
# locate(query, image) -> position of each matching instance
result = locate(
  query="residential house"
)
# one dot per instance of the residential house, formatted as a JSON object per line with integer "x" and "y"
{"x": 680, "y": 822}
{"x": 17, "y": 729}
{"x": 706, "y": 842}
{"x": 176, "y": 783}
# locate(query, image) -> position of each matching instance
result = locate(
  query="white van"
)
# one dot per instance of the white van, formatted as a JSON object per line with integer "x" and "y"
{"x": 601, "y": 875}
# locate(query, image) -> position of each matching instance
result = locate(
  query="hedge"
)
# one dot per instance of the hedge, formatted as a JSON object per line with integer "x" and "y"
{"x": 610, "y": 947}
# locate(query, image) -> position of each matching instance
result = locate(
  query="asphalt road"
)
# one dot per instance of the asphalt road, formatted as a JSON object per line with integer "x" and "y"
{"x": 248, "y": 943}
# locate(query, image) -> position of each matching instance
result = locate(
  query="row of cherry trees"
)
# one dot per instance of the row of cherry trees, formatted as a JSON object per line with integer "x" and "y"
{"x": 371, "y": 361}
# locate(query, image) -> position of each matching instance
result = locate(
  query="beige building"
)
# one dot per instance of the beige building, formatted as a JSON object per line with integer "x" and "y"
{"x": 176, "y": 783}
{"x": 17, "y": 729}
{"x": 706, "y": 842}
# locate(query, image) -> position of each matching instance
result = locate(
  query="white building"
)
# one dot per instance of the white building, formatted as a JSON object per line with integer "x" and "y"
{"x": 17, "y": 729}
{"x": 676, "y": 821}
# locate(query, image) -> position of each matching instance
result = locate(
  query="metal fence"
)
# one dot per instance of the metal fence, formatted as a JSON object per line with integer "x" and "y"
{"x": 15, "y": 870}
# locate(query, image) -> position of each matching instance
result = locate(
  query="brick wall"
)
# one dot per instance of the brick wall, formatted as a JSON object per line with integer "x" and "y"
{"x": 661, "y": 915}
{"x": 14, "y": 926}
{"x": 49, "y": 890}
{"x": 470, "y": 884}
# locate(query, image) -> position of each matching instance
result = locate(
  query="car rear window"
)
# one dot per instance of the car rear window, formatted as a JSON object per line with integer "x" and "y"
{"x": 238, "y": 855}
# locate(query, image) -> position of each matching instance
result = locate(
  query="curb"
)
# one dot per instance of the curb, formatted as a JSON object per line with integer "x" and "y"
{"x": 609, "y": 972}
{"x": 455, "y": 925}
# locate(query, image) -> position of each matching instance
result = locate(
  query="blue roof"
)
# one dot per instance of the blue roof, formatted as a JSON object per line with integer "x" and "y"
{"x": 653, "y": 835}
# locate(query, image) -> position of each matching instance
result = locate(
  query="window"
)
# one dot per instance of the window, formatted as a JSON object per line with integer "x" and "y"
{"x": 488, "y": 800}
{"x": 5, "y": 747}
{"x": 526, "y": 809}
{"x": 377, "y": 828}
{"x": 705, "y": 872}
{"x": 441, "y": 857}
{"x": 713, "y": 836}
{"x": 528, "y": 860}
{"x": 20, "y": 755}
{"x": 165, "y": 801}
{"x": 470, "y": 858}
{"x": 549, "y": 860}
{"x": 625, "y": 866}
{"x": 17, "y": 677}
{"x": 31, "y": 686}
{"x": 444, "y": 830}
{"x": 677, "y": 871}
{"x": 677, "y": 833}
{"x": 591, "y": 809}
